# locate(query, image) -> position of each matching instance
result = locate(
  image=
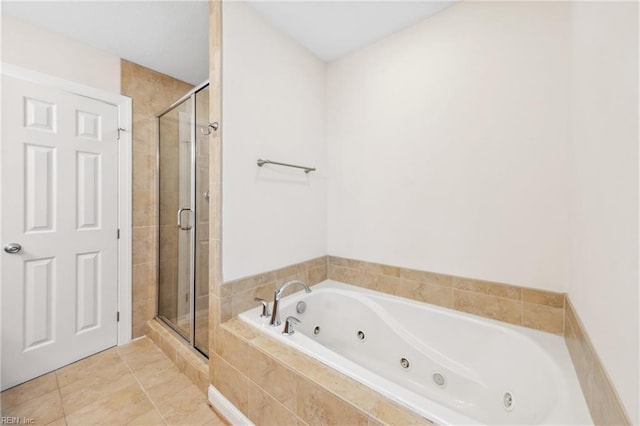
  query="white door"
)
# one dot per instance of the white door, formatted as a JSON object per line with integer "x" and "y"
{"x": 59, "y": 203}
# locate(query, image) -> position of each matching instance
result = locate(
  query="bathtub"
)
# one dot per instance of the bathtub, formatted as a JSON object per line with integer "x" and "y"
{"x": 448, "y": 366}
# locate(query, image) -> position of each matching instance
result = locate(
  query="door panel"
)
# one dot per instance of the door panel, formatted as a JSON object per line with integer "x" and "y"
{"x": 87, "y": 291}
{"x": 88, "y": 184}
{"x": 39, "y": 187}
{"x": 39, "y": 288}
{"x": 59, "y": 202}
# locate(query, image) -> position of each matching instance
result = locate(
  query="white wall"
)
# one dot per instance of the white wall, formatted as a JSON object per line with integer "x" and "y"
{"x": 273, "y": 107}
{"x": 448, "y": 145}
{"x": 40, "y": 50}
{"x": 495, "y": 140}
{"x": 604, "y": 202}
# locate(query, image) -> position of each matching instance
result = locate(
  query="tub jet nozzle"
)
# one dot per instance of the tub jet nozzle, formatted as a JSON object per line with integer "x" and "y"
{"x": 405, "y": 363}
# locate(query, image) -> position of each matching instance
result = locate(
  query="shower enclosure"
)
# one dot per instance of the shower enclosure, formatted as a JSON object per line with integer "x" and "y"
{"x": 183, "y": 249}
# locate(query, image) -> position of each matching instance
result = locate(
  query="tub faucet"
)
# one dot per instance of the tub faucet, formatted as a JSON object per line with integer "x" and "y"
{"x": 275, "y": 312}
{"x": 288, "y": 325}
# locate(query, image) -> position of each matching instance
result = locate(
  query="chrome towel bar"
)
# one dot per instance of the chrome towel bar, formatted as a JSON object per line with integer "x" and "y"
{"x": 306, "y": 169}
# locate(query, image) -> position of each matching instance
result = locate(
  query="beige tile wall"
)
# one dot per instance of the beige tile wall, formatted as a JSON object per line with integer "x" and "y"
{"x": 539, "y": 309}
{"x": 151, "y": 92}
{"x": 201, "y": 258}
{"x": 215, "y": 177}
{"x": 603, "y": 401}
{"x": 274, "y": 384}
{"x": 238, "y": 295}
{"x": 192, "y": 364}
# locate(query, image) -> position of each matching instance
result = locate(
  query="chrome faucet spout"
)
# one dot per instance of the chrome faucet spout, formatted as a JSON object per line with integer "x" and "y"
{"x": 275, "y": 313}
{"x": 282, "y": 288}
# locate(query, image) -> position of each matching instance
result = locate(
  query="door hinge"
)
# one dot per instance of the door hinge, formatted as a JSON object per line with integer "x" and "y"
{"x": 120, "y": 130}
{"x": 118, "y": 316}
{"x": 118, "y": 233}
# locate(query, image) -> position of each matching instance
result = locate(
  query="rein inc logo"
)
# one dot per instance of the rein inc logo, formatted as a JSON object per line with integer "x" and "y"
{"x": 17, "y": 421}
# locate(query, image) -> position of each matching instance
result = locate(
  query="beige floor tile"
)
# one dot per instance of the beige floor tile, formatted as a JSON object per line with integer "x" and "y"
{"x": 196, "y": 414}
{"x": 217, "y": 421}
{"x": 155, "y": 367}
{"x": 135, "y": 384}
{"x": 186, "y": 407}
{"x": 29, "y": 390}
{"x": 104, "y": 364}
{"x": 87, "y": 391}
{"x": 162, "y": 391}
{"x": 117, "y": 409}
{"x": 151, "y": 378}
{"x": 151, "y": 417}
{"x": 43, "y": 409}
{"x": 144, "y": 357}
{"x": 141, "y": 344}
{"x": 60, "y": 422}
{"x": 177, "y": 397}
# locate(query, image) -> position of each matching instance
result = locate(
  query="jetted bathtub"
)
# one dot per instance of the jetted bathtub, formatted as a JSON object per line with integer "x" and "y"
{"x": 448, "y": 366}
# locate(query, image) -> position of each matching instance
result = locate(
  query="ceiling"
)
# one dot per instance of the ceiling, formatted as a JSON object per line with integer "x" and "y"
{"x": 172, "y": 36}
{"x": 332, "y": 29}
{"x": 168, "y": 36}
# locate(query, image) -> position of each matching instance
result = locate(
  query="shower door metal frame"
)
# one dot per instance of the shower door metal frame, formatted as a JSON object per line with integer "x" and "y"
{"x": 191, "y": 98}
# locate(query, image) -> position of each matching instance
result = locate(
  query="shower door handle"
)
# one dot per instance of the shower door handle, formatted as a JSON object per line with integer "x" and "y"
{"x": 184, "y": 228}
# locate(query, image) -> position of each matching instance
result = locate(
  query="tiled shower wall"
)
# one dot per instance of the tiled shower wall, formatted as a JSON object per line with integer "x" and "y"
{"x": 151, "y": 92}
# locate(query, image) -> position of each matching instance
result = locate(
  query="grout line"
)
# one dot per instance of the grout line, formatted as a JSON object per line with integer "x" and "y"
{"x": 144, "y": 391}
{"x": 64, "y": 413}
{"x": 268, "y": 394}
{"x": 488, "y": 295}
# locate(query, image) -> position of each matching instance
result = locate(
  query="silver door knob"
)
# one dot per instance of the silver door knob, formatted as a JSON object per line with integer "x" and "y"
{"x": 13, "y": 248}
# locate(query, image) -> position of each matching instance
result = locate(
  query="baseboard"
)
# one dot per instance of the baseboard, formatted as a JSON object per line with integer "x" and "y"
{"x": 227, "y": 409}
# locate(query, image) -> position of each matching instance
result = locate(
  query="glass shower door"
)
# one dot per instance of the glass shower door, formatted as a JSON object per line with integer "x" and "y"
{"x": 201, "y": 291}
{"x": 176, "y": 218}
{"x": 183, "y": 255}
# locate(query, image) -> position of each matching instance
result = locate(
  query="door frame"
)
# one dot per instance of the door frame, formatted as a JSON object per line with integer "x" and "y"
{"x": 124, "y": 105}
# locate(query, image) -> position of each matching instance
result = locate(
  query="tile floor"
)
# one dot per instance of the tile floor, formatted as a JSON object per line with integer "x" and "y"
{"x": 135, "y": 384}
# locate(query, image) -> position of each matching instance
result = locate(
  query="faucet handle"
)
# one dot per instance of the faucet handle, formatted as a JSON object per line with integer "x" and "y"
{"x": 265, "y": 307}
{"x": 288, "y": 325}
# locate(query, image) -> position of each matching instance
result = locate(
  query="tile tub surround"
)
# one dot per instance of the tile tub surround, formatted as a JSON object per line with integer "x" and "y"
{"x": 239, "y": 347}
{"x": 238, "y": 295}
{"x": 533, "y": 308}
{"x": 272, "y": 383}
{"x": 602, "y": 399}
{"x": 193, "y": 365}
{"x": 538, "y": 309}
{"x": 151, "y": 91}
